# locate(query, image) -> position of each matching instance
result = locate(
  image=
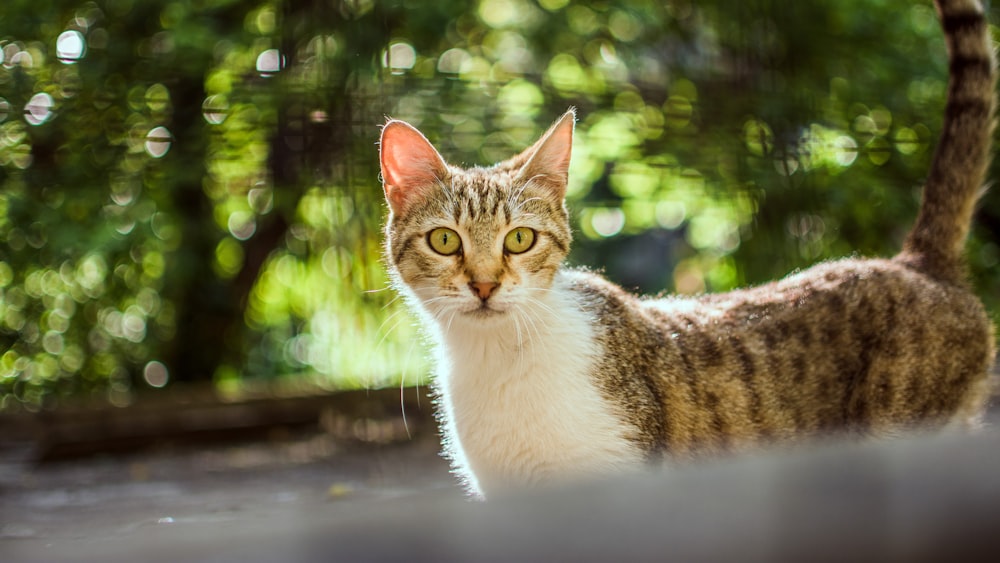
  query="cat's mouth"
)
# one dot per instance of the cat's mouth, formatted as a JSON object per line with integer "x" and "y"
{"x": 475, "y": 311}
{"x": 484, "y": 311}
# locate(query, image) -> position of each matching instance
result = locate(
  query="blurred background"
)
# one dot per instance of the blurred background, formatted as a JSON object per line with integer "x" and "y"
{"x": 190, "y": 191}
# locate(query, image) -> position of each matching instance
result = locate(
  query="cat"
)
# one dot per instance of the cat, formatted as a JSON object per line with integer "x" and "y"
{"x": 546, "y": 373}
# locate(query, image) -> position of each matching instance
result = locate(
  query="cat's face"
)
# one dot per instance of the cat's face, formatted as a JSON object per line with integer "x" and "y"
{"x": 481, "y": 243}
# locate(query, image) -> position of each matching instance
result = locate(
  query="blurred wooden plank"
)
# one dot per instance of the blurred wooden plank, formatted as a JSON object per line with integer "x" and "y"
{"x": 200, "y": 415}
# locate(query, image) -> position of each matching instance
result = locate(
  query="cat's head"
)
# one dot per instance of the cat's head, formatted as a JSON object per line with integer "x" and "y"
{"x": 476, "y": 243}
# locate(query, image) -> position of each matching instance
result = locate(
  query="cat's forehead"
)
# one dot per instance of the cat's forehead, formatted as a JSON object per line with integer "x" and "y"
{"x": 475, "y": 192}
{"x": 482, "y": 198}
{"x": 480, "y": 180}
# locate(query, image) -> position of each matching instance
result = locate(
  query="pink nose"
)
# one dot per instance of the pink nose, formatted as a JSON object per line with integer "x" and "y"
{"x": 483, "y": 290}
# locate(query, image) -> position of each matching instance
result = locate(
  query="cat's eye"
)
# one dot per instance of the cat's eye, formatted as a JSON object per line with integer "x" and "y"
{"x": 444, "y": 241}
{"x": 519, "y": 240}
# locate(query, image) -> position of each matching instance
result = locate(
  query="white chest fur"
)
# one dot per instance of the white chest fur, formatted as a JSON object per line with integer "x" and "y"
{"x": 520, "y": 404}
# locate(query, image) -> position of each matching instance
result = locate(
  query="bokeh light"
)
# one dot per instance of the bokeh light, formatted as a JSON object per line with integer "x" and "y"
{"x": 70, "y": 46}
{"x": 156, "y": 374}
{"x": 269, "y": 62}
{"x": 399, "y": 57}
{"x": 195, "y": 198}
{"x": 607, "y": 222}
{"x": 39, "y": 109}
{"x": 215, "y": 108}
{"x": 158, "y": 141}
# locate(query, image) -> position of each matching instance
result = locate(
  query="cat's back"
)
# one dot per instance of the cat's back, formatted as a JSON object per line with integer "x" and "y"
{"x": 862, "y": 346}
{"x": 860, "y": 295}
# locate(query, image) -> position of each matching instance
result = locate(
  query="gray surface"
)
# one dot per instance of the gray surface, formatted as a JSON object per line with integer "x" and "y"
{"x": 307, "y": 494}
{"x": 210, "y": 499}
{"x": 914, "y": 499}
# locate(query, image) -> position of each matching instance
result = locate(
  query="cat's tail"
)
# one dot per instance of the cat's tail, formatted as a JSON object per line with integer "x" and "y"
{"x": 958, "y": 171}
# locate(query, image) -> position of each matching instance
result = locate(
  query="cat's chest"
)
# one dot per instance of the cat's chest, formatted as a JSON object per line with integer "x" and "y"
{"x": 523, "y": 413}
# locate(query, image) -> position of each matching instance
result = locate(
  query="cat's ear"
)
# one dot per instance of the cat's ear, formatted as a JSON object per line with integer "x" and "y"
{"x": 411, "y": 166}
{"x": 548, "y": 159}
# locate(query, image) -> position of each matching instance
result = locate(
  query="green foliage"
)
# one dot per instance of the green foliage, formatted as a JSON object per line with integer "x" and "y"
{"x": 193, "y": 186}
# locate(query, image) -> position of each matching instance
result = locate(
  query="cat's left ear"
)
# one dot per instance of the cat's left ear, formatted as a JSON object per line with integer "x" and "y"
{"x": 548, "y": 159}
{"x": 411, "y": 166}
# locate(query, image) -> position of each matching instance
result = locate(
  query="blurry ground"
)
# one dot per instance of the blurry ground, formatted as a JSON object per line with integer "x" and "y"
{"x": 210, "y": 493}
{"x": 67, "y": 497}
{"x": 102, "y": 498}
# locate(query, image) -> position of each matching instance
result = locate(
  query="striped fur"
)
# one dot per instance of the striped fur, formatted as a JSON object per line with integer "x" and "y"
{"x": 963, "y": 151}
{"x": 552, "y": 373}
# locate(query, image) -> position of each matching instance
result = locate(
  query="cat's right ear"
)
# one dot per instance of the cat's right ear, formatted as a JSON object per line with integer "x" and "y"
{"x": 548, "y": 159}
{"x": 411, "y": 166}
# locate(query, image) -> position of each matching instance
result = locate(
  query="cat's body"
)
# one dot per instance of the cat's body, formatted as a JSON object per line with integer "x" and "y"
{"x": 545, "y": 373}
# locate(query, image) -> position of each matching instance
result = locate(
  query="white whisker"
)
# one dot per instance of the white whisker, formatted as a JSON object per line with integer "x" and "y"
{"x": 393, "y": 300}
{"x": 402, "y": 407}
{"x": 545, "y": 289}
{"x": 450, "y": 320}
{"x": 528, "y": 312}
{"x": 523, "y": 202}
{"x": 540, "y": 304}
{"x": 402, "y": 295}
{"x": 377, "y": 290}
{"x": 529, "y": 325}
{"x": 388, "y": 332}
{"x": 388, "y": 319}
{"x": 520, "y": 344}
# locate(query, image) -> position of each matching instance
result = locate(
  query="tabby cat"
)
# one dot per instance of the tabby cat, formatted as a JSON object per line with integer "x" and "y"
{"x": 546, "y": 373}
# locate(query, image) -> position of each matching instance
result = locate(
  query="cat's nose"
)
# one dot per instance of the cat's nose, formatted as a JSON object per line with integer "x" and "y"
{"x": 483, "y": 290}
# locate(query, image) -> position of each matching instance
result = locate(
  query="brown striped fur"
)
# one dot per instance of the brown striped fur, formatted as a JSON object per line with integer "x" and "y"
{"x": 865, "y": 347}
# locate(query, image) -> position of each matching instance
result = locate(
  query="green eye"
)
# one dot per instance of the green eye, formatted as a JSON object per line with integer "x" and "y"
{"x": 444, "y": 241}
{"x": 519, "y": 240}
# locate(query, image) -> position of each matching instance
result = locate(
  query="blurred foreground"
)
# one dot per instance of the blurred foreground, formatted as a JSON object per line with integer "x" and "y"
{"x": 348, "y": 480}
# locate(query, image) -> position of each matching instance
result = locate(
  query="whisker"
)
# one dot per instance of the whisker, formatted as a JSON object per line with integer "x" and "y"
{"x": 524, "y": 202}
{"x": 389, "y": 318}
{"x": 438, "y": 298}
{"x": 520, "y": 205}
{"x": 520, "y": 344}
{"x": 388, "y": 332}
{"x": 393, "y": 300}
{"x": 450, "y": 320}
{"x": 539, "y": 303}
{"x": 402, "y": 295}
{"x": 402, "y": 386}
{"x": 527, "y": 315}
{"x": 529, "y": 324}
{"x": 520, "y": 192}
{"x": 402, "y": 406}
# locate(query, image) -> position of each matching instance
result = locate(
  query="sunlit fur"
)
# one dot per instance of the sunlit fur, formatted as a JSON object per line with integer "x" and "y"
{"x": 554, "y": 373}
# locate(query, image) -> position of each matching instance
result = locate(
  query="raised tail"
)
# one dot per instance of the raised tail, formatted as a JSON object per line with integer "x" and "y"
{"x": 963, "y": 153}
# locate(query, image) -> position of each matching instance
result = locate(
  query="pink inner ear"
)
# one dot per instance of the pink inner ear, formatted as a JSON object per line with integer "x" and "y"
{"x": 410, "y": 164}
